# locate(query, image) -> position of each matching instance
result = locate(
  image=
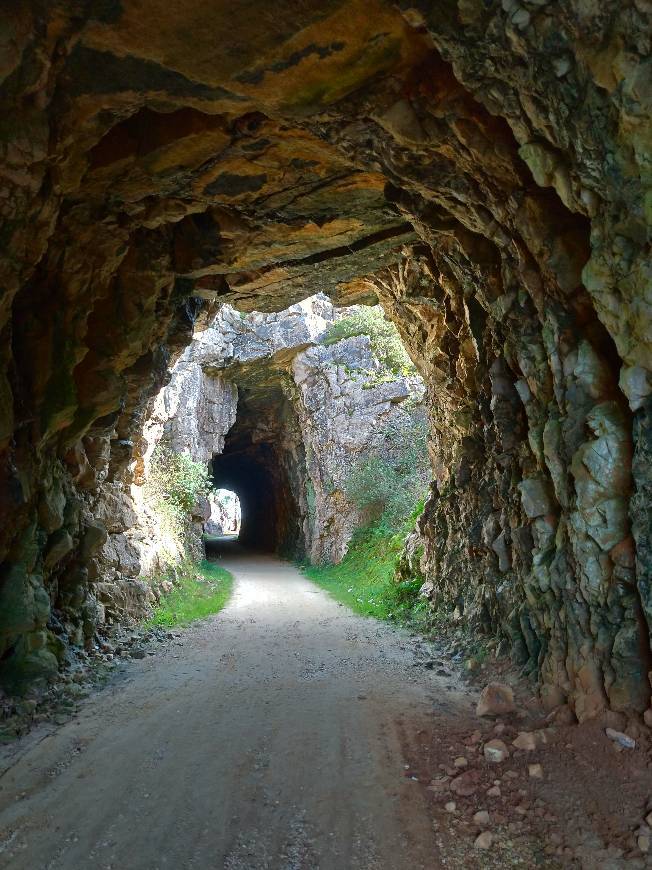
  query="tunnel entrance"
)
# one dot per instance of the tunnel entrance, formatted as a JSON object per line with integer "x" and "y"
{"x": 262, "y": 463}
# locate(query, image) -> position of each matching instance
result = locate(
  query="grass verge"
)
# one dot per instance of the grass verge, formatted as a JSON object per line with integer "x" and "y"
{"x": 203, "y": 589}
{"x": 364, "y": 579}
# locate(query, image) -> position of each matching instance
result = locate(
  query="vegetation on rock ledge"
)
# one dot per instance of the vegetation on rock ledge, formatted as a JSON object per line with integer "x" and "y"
{"x": 177, "y": 481}
{"x": 384, "y": 337}
{"x": 173, "y": 487}
{"x": 387, "y": 485}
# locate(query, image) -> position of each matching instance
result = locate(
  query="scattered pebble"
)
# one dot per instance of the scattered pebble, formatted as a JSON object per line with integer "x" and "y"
{"x": 466, "y": 783}
{"x": 621, "y": 739}
{"x": 450, "y": 807}
{"x": 526, "y": 741}
{"x": 482, "y": 818}
{"x": 535, "y": 771}
{"x": 484, "y": 840}
{"x": 495, "y": 751}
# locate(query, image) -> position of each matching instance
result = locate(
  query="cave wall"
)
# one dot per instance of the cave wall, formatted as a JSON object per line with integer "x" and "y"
{"x": 532, "y": 454}
{"x": 255, "y": 158}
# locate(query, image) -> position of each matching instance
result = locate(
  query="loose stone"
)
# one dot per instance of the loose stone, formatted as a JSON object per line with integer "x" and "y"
{"x": 496, "y": 699}
{"x": 525, "y": 741}
{"x": 484, "y": 840}
{"x": 495, "y": 751}
{"x": 620, "y": 738}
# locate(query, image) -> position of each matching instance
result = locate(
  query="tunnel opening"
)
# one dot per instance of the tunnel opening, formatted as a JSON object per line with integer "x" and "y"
{"x": 262, "y": 464}
{"x": 226, "y": 514}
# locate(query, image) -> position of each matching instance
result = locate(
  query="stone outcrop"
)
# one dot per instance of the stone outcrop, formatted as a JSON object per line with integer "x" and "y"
{"x": 347, "y": 404}
{"x": 163, "y": 156}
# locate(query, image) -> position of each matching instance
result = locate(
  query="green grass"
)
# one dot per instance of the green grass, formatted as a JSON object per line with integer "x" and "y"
{"x": 364, "y": 579}
{"x": 204, "y": 589}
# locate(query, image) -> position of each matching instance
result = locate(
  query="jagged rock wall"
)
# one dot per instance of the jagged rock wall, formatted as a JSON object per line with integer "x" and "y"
{"x": 222, "y": 154}
{"x": 533, "y": 460}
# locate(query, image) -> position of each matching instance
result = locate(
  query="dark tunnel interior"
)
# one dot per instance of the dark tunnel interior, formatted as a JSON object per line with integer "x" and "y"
{"x": 257, "y": 465}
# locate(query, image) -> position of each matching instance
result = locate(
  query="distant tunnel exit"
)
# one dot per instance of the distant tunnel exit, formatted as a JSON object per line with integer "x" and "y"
{"x": 266, "y": 477}
{"x": 226, "y": 513}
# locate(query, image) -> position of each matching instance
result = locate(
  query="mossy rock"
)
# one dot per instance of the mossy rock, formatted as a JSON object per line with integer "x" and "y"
{"x": 16, "y": 601}
{"x": 24, "y": 670}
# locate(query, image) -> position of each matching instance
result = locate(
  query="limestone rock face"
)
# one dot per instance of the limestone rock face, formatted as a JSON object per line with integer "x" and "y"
{"x": 163, "y": 156}
{"x": 345, "y": 414}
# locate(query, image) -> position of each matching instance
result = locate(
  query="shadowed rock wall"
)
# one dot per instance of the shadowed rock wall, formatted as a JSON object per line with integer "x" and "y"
{"x": 155, "y": 153}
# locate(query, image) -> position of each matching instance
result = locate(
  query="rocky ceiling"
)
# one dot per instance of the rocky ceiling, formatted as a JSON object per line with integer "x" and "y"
{"x": 258, "y": 153}
{"x": 156, "y": 154}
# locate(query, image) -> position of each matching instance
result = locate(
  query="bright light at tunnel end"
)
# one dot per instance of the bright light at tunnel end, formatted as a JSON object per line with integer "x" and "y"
{"x": 226, "y": 513}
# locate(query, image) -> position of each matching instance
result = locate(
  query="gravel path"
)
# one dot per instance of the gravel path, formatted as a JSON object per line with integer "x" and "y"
{"x": 269, "y": 736}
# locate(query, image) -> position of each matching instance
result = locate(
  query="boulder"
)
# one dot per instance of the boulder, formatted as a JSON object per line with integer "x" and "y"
{"x": 496, "y": 699}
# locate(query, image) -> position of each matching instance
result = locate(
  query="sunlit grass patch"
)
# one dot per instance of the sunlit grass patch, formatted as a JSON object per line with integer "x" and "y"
{"x": 202, "y": 590}
{"x": 364, "y": 579}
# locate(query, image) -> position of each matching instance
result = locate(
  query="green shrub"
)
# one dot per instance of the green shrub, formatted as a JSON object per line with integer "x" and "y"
{"x": 172, "y": 487}
{"x": 178, "y": 479}
{"x": 388, "y": 483}
{"x": 385, "y": 340}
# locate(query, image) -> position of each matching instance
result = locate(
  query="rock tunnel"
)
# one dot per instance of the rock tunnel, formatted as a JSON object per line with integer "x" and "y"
{"x": 262, "y": 465}
{"x": 477, "y": 167}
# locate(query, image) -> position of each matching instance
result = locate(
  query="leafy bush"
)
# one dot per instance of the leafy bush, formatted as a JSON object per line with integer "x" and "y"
{"x": 178, "y": 480}
{"x": 172, "y": 487}
{"x": 388, "y": 483}
{"x": 384, "y": 337}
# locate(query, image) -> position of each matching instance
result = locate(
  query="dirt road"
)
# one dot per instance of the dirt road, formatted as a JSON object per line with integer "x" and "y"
{"x": 268, "y": 736}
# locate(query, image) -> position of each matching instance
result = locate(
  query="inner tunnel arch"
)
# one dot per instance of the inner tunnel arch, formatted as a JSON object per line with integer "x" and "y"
{"x": 263, "y": 463}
